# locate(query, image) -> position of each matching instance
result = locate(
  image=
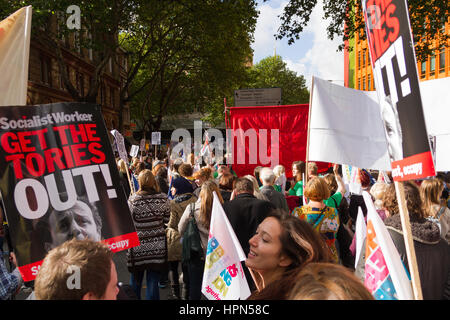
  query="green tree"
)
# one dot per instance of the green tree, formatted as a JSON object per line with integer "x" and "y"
{"x": 427, "y": 19}
{"x": 196, "y": 56}
{"x": 101, "y": 21}
{"x": 273, "y": 72}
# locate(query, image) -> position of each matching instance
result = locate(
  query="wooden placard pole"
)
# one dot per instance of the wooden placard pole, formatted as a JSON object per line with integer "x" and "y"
{"x": 307, "y": 136}
{"x": 129, "y": 178}
{"x": 409, "y": 242}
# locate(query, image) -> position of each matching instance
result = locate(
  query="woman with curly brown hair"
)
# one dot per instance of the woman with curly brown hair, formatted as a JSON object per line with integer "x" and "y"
{"x": 432, "y": 252}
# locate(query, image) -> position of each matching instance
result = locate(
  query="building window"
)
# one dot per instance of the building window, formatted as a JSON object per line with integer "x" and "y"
{"x": 80, "y": 83}
{"x": 432, "y": 64}
{"x": 111, "y": 97}
{"x": 369, "y": 82}
{"x": 364, "y": 82}
{"x": 46, "y": 71}
{"x": 423, "y": 69}
{"x": 359, "y": 60}
{"x": 364, "y": 57}
{"x": 442, "y": 60}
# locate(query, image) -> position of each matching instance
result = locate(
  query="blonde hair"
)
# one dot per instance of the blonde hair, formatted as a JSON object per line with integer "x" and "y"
{"x": 430, "y": 192}
{"x": 328, "y": 281}
{"x": 122, "y": 166}
{"x": 377, "y": 191}
{"x": 256, "y": 192}
{"x": 279, "y": 170}
{"x": 206, "y": 200}
{"x": 317, "y": 189}
{"x": 147, "y": 181}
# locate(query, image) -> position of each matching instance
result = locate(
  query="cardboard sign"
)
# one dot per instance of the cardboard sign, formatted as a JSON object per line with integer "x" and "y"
{"x": 395, "y": 72}
{"x": 59, "y": 180}
{"x": 134, "y": 150}
{"x": 120, "y": 144}
{"x": 156, "y": 138}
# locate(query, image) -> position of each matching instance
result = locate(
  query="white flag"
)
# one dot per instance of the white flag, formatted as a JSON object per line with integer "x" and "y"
{"x": 14, "y": 57}
{"x": 385, "y": 274}
{"x": 360, "y": 234}
{"x": 223, "y": 278}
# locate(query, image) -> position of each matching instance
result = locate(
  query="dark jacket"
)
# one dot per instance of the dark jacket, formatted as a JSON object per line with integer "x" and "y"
{"x": 245, "y": 213}
{"x": 275, "y": 197}
{"x": 432, "y": 254}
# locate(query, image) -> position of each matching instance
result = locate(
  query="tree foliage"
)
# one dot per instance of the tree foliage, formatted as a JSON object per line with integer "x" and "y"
{"x": 196, "y": 56}
{"x": 272, "y": 72}
{"x": 345, "y": 19}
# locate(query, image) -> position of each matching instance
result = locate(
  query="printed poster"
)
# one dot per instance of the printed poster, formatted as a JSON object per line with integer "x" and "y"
{"x": 59, "y": 180}
{"x": 394, "y": 64}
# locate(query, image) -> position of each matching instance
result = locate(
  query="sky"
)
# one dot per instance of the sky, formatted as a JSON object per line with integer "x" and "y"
{"x": 312, "y": 55}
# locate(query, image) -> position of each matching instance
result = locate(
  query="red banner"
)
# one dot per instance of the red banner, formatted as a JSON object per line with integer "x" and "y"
{"x": 269, "y": 135}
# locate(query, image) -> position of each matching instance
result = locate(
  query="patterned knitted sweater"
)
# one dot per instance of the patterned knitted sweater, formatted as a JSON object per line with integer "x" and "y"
{"x": 150, "y": 212}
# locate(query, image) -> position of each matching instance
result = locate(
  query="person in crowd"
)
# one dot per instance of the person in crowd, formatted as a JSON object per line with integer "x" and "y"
{"x": 432, "y": 252}
{"x": 150, "y": 210}
{"x": 121, "y": 165}
{"x": 138, "y": 166}
{"x": 339, "y": 203}
{"x": 91, "y": 260}
{"x": 183, "y": 195}
{"x": 256, "y": 175}
{"x": 201, "y": 176}
{"x": 256, "y": 189}
{"x": 328, "y": 281}
{"x": 336, "y": 186}
{"x": 280, "y": 181}
{"x": 185, "y": 170}
{"x": 298, "y": 170}
{"x": 160, "y": 173}
{"x": 202, "y": 210}
{"x": 313, "y": 170}
{"x": 435, "y": 208}
{"x": 223, "y": 168}
{"x": 323, "y": 219}
{"x": 377, "y": 192}
{"x": 10, "y": 282}
{"x": 174, "y": 174}
{"x": 276, "y": 198}
{"x": 226, "y": 182}
{"x": 245, "y": 212}
{"x": 357, "y": 200}
{"x": 280, "y": 248}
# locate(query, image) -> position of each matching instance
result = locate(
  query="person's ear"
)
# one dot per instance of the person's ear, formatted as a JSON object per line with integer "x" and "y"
{"x": 285, "y": 261}
{"x": 89, "y": 296}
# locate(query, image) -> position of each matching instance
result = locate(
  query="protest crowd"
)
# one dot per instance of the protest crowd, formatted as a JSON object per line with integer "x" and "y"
{"x": 298, "y": 234}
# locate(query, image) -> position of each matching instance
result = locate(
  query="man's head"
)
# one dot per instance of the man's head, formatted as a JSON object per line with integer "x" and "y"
{"x": 80, "y": 222}
{"x": 267, "y": 176}
{"x": 243, "y": 185}
{"x": 77, "y": 270}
